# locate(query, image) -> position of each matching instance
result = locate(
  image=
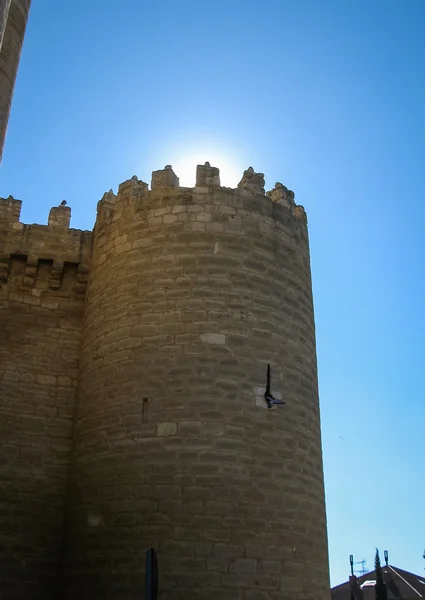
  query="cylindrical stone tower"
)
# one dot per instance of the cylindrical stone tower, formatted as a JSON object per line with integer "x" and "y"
{"x": 192, "y": 294}
{"x": 4, "y": 11}
{"x": 10, "y": 53}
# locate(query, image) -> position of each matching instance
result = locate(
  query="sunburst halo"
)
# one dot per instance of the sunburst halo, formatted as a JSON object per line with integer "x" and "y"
{"x": 185, "y": 168}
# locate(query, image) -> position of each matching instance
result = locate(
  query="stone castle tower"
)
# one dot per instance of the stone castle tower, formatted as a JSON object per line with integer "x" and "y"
{"x": 13, "y": 22}
{"x": 133, "y": 372}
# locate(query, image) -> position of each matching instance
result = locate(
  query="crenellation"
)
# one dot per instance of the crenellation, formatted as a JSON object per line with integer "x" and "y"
{"x": 207, "y": 176}
{"x": 54, "y": 241}
{"x": 282, "y": 195}
{"x": 164, "y": 179}
{"x": 60, "y": 217}
{"x": 133, "y": 187}
{"x": 175, "y": 204}
{"x": 252, "y": 182}
{"x": 10, "y": 210}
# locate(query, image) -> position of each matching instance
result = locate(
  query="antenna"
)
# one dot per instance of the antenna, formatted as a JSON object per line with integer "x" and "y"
{"x": 352, "y": 564}
{"x": 386, "y": 557}
{"x": 363, "y": 570}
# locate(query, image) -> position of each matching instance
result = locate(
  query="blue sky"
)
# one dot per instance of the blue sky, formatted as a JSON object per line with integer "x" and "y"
{"x": 326, "y": 96}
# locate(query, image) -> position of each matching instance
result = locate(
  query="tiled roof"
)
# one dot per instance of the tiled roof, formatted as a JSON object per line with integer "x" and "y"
{"x": 401, "y": 585}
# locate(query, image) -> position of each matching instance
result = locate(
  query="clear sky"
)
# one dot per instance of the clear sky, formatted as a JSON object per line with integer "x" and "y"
{"x": 326, "y": 96}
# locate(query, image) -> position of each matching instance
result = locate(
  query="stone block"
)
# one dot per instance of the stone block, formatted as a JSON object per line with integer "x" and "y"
{"x": 164, "y": 179}
{"x": 166, "y": 429}
{"x": 243, "y": 565}
{"x": 207, "y": 176}
{"x": 213, "y": 338}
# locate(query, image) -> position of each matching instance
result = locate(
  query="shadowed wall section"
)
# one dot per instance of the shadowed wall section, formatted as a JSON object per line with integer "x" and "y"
{"x": 41, "y": 307}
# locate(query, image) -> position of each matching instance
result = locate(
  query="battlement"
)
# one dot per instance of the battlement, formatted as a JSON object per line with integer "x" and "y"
{"x": 134, "y": 194}
{"x": 10, "y": 210}
{"x": 27, "y": 247}
{"x": 207, "y": 206}
{"x": 207, "y": 179}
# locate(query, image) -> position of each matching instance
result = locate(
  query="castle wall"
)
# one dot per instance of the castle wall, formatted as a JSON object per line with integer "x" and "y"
{"x": 42, "y": 286}
{"x": 191, "y": 294}
{"x": 10, "y": 53}
{"x": 4, "y": 11}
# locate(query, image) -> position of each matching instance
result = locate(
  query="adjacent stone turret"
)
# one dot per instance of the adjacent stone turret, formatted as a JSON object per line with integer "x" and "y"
{"x": 4, "y": 12}
{"x": 14, "y": 27}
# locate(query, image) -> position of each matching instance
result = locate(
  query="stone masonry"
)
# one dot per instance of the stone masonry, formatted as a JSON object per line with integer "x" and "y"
{"x": 133, "y": 368}
{"x": 4, "y": 12}
{"x": 13, "y": 22}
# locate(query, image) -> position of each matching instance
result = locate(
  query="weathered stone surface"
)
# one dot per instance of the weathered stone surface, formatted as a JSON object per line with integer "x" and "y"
{"x": 164, "y": 179}
{"x": 131, "y": 187}
{"x": 41, "y": 313}
{"x": 12, "y": 33}
{"x": 133, "y": 368}
{"x": 213, "y": 338}
{"x": 252, "y": 182}
{"x": 60, "y": 217}
{"x": 4, "y": 12}
{"x": 282, "y": 195}
{"x": 207, "y": 176}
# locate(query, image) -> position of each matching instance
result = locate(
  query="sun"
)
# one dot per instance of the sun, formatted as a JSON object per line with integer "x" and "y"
{"x": 185, "y": 168}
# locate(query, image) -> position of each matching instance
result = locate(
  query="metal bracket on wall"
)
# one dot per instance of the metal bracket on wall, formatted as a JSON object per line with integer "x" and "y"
{"x": 270, "y": 399}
